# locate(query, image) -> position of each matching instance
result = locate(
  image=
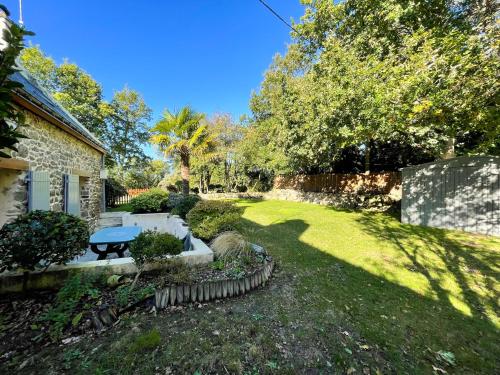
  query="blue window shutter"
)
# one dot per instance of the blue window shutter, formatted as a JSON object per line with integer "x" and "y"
{"x": 39, "y": 191}
{"x": 72, "y": 194}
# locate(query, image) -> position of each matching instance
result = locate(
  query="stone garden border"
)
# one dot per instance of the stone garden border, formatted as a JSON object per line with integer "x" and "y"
{"x": 211, "y": 290}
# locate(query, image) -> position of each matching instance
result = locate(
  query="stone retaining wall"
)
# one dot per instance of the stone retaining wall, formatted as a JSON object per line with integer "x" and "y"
{"x": 380, "y": 201}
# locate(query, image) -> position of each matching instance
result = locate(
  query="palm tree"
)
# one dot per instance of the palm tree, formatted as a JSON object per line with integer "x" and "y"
{"x": 182, "y": 134}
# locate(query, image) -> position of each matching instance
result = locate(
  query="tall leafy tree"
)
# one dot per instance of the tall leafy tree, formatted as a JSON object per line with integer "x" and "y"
{"x": 218, "y": 158}
{"x": 423, "y": 75}
{"x": 10, "y": 117}
{"x": 143, "y": 175}
{"x": 127, "y": 127}
{"x": 75, "y": 89}
{"x": 181, "y": 134}
{"x": 40, "y": 66}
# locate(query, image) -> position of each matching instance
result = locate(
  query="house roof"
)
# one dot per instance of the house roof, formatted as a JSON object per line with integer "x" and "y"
{"x": 33, "y": 92}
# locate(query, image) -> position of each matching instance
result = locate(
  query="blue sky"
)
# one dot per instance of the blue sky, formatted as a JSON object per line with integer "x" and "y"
{"x": 210, "y": 54}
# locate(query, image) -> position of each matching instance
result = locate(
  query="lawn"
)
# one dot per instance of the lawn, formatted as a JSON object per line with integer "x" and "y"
{"x": 354, "y": 292}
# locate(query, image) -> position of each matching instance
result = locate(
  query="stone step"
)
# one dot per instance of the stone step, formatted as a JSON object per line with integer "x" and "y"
{"x": 112, "y": 214}
{"x": 110, "y": 219}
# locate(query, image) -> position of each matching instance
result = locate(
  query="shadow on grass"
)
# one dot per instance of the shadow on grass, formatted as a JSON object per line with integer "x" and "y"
{"x": 410, "y": 327}
{"x": 435, "y": 252}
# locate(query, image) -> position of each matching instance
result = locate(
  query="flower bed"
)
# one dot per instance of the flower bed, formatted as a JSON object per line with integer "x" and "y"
{"x": 208, "y": 290}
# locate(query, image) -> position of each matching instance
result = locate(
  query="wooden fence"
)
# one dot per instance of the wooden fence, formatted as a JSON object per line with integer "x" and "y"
{"x": 113, "y": 201}
{"x": 373, "y": 183}
{"x": 133, "y": 192}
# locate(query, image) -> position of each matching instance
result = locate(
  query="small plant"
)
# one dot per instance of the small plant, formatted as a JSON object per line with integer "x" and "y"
{"x": 185, "y": 205}
{"x": 209, "y": 218}
{"x": 39, "y": 238}
{"x": 125, "y": 295}
{"x": 152, "y": 201}
{"x": 146, "y": 342}
{"x": 230, "y": 245}
{"x": 71, "y": 355}
{"x": 236, "y": 272}
{"x": 69, "y": 296}
{"x": 218, "y": 265}
{"x": 176, "y": 272}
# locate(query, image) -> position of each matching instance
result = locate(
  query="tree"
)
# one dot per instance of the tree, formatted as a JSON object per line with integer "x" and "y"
{"x": 367, "y": 73}
{"x": 181, "y": 134}
{"x": 40, "y": 66}
{"x": 141, "y": 176}
{"x": 75, "y": 89}
{"x": 219, "y": 155}
{"x": 127, "y": 127}
{"x": 10, "y": 118}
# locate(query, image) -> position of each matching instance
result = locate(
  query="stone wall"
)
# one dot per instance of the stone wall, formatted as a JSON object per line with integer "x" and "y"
{"x": 351, "y": 201}
{"x": 341, "y": 183}
{"x": 51, "y": 149}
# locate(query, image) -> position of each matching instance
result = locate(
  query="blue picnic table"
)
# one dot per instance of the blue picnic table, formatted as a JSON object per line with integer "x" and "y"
{"x": 116, "y": 240}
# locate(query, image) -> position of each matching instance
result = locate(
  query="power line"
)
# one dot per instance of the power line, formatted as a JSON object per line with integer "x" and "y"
{"x": 277, "y": 15}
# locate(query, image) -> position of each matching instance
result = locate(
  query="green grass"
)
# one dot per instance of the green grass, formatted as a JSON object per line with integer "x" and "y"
{"x": 122, "y": 207}
{"x": 353, "y": 293}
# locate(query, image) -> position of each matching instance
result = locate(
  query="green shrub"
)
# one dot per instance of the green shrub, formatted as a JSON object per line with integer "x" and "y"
{"x": 173, "y": 200}
{"x": 39, "y": 238}
{"x": 209, "y": 218}
{"x": 185, "y": 204}
{"x": 210, "y": 227}
{"x": 67, "y": 300}
{"x": 152, "y": 246}
{"x": 152, "y": 201}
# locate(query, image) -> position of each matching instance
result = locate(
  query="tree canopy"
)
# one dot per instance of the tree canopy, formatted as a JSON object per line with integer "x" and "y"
{"x": 75, "y": 89}
{"x": 122, "y": 123}
{"x": 127, "y": 127}
{"x": 365, "y": 73}
{"x": 181, "y": 134}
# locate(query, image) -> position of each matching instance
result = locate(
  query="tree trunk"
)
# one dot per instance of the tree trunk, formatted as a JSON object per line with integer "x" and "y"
{"x": 449, "y": 151}
{"x": 207, "y": 182}
{"x": 367, "y": 156}
{"x": 185, "y": 173}
{"x": 226, "y": 176}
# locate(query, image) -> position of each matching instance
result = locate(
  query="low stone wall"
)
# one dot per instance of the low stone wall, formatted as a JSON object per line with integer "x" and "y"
{"x": 255, "y": 195}
{"x": 341, "y": 183}
{"x": 56, "y": 274}
{"x": 352, "y": 201}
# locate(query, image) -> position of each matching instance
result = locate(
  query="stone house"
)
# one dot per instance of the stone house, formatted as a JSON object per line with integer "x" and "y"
{"x": 59, "y": 166}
